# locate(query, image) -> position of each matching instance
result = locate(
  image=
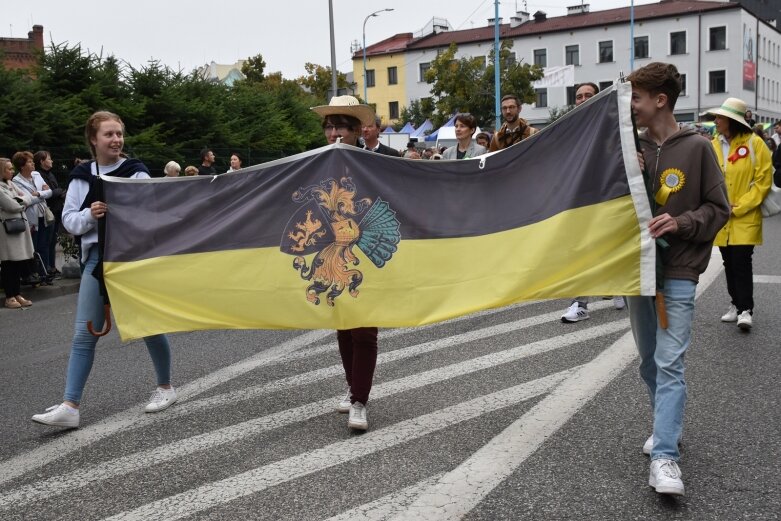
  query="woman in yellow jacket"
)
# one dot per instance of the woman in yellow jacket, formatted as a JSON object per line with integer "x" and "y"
{"x": 746, "y": 162}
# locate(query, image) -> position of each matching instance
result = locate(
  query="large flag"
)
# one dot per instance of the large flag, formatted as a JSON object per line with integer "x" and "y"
{"x": 340, "y": 237}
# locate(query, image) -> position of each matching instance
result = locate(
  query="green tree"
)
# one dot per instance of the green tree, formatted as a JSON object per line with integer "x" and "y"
{"x": 169, "y": 115}
{"x": 318, "y": 81}
{"x": 253, "y": 68}
{"x": 418, "y": 111}
{"x": 467, "y": 84}
{"x": 555, "y": 113}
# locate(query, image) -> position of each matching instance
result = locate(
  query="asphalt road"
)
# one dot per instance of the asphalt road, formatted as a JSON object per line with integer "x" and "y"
{"x": 508, "y": 414}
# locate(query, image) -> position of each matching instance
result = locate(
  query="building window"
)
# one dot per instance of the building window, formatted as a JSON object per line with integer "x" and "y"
{"x": 605, "y": 85}
{"x": 541, "y": 57}
{"x": 678, "y": 42}
{"x": 717, "y": 82}
{"x": 572, "y": 56}
{"x": 641, "y": 47}
{"x": 480, "y": 61}
{"x": 683, "y": 85}
{"x": 718, "y": 38}
{"x": 370, "y": 77}
{"x": 424, "y": 67}
{"x": 570, "y": 96}
{"x": 542, "y": 97}
{"x": 393, "y": 110}
{"x": 606, "y": 51}
{"x": 393, "y": 75}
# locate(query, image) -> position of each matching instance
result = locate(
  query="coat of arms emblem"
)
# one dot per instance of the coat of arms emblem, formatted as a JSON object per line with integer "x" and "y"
{"x": 329, "y": 223}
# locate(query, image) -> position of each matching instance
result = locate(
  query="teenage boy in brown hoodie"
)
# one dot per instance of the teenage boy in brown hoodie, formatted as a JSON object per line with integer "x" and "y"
{"x": 689, "y": 207}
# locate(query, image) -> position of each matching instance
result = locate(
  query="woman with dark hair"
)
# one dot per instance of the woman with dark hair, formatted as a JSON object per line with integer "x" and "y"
{"x": 105, "y": 135}
{"x": 16, "y": 249}
{"x": 465, "y": 125}
{"x": 43, "y": 165}
{"x": 236, "y": 162}
{"x": 746, "y": 163}
{"x": 483, "y": 139}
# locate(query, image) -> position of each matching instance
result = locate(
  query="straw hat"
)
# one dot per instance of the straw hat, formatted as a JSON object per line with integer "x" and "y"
{"x": 347, "y": 106}
{"x": 732, "y": 108}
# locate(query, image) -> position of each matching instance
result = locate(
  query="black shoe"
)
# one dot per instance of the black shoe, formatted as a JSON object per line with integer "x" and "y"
{"x": 33, "y": 281}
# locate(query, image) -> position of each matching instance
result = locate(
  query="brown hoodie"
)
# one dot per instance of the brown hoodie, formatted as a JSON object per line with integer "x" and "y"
{"x": 699, "y": 205}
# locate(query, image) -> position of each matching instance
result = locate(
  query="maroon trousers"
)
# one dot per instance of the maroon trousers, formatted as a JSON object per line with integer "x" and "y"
{"x": 358, "y": 348}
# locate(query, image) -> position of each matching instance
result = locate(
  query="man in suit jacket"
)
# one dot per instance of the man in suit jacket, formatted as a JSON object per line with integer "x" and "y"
{"x": 371, "y": 139}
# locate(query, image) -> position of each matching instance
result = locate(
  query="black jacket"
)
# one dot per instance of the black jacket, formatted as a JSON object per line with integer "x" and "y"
{"x": 387, "y": 151}
{"x": 57, "y": 200}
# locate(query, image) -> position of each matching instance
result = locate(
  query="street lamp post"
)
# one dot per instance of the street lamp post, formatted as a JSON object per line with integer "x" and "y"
{"x": 375, "y": 13}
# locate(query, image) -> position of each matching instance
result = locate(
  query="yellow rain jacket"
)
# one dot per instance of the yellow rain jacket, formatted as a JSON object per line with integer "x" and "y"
{"x": 748, "y": 173}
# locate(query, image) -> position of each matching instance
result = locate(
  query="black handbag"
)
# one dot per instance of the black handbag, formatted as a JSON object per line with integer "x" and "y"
{"x": 14, "y": 225}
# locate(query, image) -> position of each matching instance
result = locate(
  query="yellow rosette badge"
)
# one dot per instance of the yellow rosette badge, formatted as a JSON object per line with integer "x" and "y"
{"x": 671, "y": 181}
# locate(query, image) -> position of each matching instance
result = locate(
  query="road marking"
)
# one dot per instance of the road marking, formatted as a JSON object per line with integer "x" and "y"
{"x": 86, "y": 475}
{"x": 459, "y": 491}
{"x": 384, "y": 507}
{"x": 132, "y": 418}
{"x": 247, "y": 393}
{"x": 241, "y": 485}
{"x": 767, "y": 279}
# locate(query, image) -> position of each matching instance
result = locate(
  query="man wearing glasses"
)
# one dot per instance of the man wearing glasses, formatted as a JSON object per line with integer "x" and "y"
{"x": 515, "y": 128}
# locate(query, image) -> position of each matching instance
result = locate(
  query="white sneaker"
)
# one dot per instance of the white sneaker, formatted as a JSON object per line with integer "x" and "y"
{"x": 357, "y": 419}
{"x": 59, "y": 416}
{"x": 665, "y": 477}
{"x": 744, "y": 320}
{"x": 648, "y": 445}
{"x": 575, "y": 313}
{"x": 731, "y": 315}
{"x": 619, "y": 303}
{"x": 344, "y": 404}
{"x": 161, "y": 399}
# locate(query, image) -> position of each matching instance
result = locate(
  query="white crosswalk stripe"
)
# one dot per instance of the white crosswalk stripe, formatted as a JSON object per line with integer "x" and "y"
{"x": 181, "y": 448}
{"x": 424, "y": 365}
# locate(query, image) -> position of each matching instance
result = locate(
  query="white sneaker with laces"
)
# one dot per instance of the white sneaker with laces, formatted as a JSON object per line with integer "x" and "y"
{"x": 344, "y": 404}
{"x": 665, "y": 477}
{"x": 648, "y": 445}
{"x": 357, "y": 419}
{"x": 731, "y": 315}
{"x": 619, "y": 303}
{"x": 575, "y": 313}
{"x": 744, "y": 320}
{"x": 161, "y": 399}
{"x": 59, "y": 416}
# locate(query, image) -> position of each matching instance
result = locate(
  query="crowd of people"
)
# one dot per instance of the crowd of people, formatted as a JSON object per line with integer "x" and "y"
{"x": 704, "y": 193}
{"x": 32, "y": 197}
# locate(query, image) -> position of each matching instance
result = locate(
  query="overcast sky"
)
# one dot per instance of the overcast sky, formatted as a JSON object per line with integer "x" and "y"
{"x": 184, "y": 34}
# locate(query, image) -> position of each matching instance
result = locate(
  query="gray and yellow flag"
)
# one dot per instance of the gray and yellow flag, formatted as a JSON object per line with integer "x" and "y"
{"x": 340, "y": 237}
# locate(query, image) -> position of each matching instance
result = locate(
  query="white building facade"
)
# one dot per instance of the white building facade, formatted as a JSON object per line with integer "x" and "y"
{"x": 721, "y": 50}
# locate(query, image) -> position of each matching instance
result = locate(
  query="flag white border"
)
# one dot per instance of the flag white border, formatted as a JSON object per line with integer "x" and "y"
{"x": 634, "y": 178}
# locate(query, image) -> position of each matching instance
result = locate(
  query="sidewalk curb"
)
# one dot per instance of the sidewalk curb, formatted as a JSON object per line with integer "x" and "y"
{"x": 59, "y": 288}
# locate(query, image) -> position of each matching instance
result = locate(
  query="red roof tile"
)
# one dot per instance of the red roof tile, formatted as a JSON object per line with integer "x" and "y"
{"x": 396, "y": 43}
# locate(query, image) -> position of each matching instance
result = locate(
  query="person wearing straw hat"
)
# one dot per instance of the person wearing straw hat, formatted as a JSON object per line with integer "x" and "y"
{"x": 343, "y": 120}
{"x": 747, "y": 166}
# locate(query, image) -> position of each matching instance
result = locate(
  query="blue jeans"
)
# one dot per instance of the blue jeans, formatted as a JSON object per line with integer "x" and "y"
{"x": 90, "y": 307}
{"x": 661, "y": 360}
